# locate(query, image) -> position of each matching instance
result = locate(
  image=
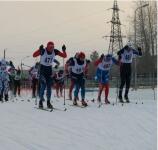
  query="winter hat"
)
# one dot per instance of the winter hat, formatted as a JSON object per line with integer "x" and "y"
{"x": 50, "y": 46}
{"x": 50, "y": 43}
{"x": 82, "y": 55}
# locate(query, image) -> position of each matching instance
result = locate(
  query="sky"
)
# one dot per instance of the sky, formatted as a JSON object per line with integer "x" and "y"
{"x": 79, "y": 25}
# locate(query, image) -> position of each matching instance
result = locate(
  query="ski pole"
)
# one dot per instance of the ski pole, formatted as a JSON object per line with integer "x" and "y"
{"x": 154, "y": 93}
{"x": 37, "y": 90}
{"x": 64, "y": 78}
{"x": 117, "y": 89}
{"x": 93, "y": 88}
{"x": 38, "y": 85}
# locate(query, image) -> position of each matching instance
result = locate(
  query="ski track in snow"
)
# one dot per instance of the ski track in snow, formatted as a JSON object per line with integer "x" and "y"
{"x": 128, "y": 127}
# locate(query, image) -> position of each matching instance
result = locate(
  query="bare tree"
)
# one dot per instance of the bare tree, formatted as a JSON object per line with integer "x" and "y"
{"x": 145, "y": 25}
{"x": 92, "y": 69}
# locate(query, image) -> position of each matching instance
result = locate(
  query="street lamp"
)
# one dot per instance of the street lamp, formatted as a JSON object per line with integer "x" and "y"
{"x": 135, "y": 62}
{"x": 4, "y": 53}
{"x": 23, "y": 60}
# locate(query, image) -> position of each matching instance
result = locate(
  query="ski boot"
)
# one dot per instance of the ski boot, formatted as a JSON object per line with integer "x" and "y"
{"x": 41, "y": 104}
{"x": 107, "y": 101}
{"x": 70, "y": 96}
{"x": 84, "y": 103}
{"x": 33, "y": 96}
{"x": 77, "y": 98}
{"x": 1, "y": 99}
{"x": 6, "y": 97}
{"x": 61, "y": 94}
{"x": 127, "y": 99}
{"x": 49, "y": 105}
{"x": 93, "y": 100}
{"x": 75, "y": 101}
{"x": 120, "y": 99}
{"x": 99, "y": 99}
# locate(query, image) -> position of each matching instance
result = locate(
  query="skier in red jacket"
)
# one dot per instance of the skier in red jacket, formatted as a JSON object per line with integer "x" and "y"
{"x": 47, "y": 56}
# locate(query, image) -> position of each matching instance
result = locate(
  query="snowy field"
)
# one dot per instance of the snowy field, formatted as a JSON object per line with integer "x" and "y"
{"x": 128, "y": 127}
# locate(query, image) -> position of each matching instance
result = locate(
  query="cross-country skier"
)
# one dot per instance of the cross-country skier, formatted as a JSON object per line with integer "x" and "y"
{"x": 4, "y": 79}
{"x": 47, "y": 56}
{"x": 104, "y": 64}
{"x": 126, "y": 56}
{"x": 78, "y": 75}
{"x": 17, "y": 82}
{"x": 11, "y": 71}
{"x": 68, "y": 74}
{"x": 33, "y": 72}
{"x": 59, "y": 82}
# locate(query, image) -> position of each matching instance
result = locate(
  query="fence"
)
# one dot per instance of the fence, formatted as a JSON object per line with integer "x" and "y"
{"x": 143, "y": 81}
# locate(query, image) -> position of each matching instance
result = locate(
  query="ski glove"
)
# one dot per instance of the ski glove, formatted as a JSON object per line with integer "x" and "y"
{"x": 11, "y": 64}
{"x": 102, "y": 56}
{"x": 63, "y": 48}
{"x": 139, "y": 49}
{"x": 56, "y": 66}
{"x": 41, "y": 48}
{"x": 88, "y": 61}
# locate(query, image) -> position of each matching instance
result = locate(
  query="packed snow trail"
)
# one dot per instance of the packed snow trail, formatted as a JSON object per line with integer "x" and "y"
{"x": 128, "y": 127}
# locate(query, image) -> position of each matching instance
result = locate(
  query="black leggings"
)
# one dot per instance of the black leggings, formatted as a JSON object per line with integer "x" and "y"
{"x": 17, "y": 85}
{"x": 125, "y": 75}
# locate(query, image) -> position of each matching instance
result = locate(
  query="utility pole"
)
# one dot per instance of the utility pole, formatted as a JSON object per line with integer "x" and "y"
{"x": 115, "y": 43}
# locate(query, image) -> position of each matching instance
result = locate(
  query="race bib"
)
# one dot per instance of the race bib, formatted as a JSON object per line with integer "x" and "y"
{"x": 128, "y": 57}
{"x": 48, "y": 60}
{"x": 79, "y": 70}
{"x": 106, "y": 66}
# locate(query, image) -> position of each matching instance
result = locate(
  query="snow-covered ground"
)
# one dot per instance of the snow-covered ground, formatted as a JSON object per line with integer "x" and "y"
{"x": 128, "y": 127}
